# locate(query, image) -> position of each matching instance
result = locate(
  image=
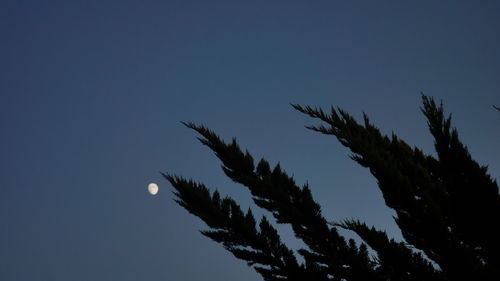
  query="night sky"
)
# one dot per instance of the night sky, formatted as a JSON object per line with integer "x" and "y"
{"x": 92, "y": 94}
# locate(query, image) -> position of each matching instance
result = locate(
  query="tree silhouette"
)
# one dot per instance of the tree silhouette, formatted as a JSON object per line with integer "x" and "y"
{"x": 447, "y": 207}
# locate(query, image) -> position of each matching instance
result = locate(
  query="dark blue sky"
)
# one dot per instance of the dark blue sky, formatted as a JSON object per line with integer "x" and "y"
{"x": 92, "y": 92}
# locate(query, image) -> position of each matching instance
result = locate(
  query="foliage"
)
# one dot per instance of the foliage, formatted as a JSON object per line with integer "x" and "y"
{"x": 447, "y": 206}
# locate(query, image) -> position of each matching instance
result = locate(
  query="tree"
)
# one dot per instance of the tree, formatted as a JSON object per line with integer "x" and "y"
{"x": 448, "y": 207}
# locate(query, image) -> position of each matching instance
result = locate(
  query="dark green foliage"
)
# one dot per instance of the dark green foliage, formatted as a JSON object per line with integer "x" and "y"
{"x": 448, "y": 207}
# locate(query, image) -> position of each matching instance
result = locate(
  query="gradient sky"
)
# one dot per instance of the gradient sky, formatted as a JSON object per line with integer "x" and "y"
{"x": 92, "y": 92}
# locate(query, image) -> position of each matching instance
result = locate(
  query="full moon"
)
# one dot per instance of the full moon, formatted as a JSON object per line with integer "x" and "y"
{"x": 153, "y": 188}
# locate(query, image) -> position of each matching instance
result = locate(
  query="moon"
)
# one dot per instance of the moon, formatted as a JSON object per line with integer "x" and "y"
{"x": 153, "y": 188}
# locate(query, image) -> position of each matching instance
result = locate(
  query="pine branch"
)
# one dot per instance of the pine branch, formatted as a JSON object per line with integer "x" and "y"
{"x": 276, "y": 192}
{"x": 401, "y": 174}
{"x": 238, "y": 233}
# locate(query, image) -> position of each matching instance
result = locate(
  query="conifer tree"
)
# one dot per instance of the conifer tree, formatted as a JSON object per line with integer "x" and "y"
{"x": 448, "y": 207}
